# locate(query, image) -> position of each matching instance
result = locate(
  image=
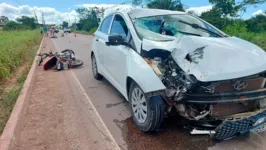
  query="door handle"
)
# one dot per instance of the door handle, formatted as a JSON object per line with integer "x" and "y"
{"x": 97, "y": 39}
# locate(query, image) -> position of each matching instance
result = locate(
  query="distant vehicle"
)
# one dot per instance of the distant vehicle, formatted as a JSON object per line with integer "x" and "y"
{"x": 56, "y": 30}
{"x": 67, "y": 30}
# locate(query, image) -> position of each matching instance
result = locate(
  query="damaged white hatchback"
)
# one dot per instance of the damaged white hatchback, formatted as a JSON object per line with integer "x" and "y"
{"x": 164, "y": 61}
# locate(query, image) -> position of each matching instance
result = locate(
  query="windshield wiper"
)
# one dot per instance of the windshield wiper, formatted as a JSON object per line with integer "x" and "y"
{"x": 188, "y": 33}
{"x": 196, "y": 26}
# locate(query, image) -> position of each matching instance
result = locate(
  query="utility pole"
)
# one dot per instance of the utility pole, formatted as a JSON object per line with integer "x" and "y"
{"x": 68, "y": 20}
{"x": 43, "y": 22}
{"x": 75, "y": 24}
{"x": 36, "y": 17}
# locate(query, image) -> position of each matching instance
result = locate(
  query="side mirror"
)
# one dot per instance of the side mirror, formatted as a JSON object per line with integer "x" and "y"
{"x": 115, "y": 40}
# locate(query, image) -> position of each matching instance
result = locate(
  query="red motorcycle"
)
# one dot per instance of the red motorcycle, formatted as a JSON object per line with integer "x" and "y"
{"x": 63, "y": 60}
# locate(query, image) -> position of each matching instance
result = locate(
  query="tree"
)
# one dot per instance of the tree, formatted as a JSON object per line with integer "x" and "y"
{"x": 225, "y": 7}
{"x": 161, "y": 4}
{"x": 214, "y": 16}
{"x": 231, "y": 7}
{"x": 3, "y": 20}
{"x": 137, "y": 2}
{"x": 27, "y": 21}
{"x": 257, "y": 23}
{"x": 88, "y": 18}
{"x": 12, "y": 25}
{"x": 65, "y": 24}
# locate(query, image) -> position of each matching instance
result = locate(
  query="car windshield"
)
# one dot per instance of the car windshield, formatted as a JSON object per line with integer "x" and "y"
{"x": 159, "y": 28}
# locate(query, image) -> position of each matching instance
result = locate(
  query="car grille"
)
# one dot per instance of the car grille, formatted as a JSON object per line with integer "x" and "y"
{"x": 252, "y": 84}
{"x": 232, "y": 108}
{"x": 229, "y": 129}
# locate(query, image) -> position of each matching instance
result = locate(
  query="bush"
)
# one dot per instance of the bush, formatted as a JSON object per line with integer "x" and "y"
{"x": 235, "y": 28}
{"x": 239, "y": 29}
{"x": 93, "y": 30}
{"x": 12, "y": 25}
{"x": 256, "y": 38}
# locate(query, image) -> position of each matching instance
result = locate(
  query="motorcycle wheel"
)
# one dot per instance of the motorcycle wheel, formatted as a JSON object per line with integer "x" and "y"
{"x": 76, "y": 63}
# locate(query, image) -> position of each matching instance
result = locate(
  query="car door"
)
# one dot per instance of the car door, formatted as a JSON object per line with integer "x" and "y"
{"x": 101, "y": 36}
{"x": 116, "y": 56}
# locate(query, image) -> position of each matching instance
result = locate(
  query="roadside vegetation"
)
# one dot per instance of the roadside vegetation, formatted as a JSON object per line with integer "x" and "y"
{"x": 18, "y": 48}
{"x": 90, "y": 32}
{"x": 88, "y": 22}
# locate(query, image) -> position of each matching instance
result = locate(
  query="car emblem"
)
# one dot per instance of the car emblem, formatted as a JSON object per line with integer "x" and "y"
{"x": 239, "y": 85}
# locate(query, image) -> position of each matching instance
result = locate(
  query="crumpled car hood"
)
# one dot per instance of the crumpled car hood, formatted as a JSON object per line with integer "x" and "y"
{"x": 214, "y": 59}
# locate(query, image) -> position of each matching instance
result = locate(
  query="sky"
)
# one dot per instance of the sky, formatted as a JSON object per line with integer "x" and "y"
{"x": 57, "y": 11}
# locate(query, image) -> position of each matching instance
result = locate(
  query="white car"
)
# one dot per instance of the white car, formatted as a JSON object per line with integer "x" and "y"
{"x": 67, "y": 30}
{"x": 169, "y": 61}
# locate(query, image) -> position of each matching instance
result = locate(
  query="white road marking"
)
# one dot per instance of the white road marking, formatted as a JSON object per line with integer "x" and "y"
{"x": 114, "y": 143}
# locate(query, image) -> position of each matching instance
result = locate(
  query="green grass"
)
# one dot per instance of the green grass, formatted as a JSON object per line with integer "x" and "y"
{"x": 85, "y": 32}
{"x": 15, "y": 49}
{"x": 18, "y": 49}
{"x": 256, "y": 38}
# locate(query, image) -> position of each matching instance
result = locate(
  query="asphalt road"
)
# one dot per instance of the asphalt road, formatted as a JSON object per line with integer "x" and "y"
{"x": 112, "y": 108}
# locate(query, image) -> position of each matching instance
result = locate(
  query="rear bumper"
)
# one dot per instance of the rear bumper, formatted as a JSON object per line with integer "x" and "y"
{"x": 226, "y": 97}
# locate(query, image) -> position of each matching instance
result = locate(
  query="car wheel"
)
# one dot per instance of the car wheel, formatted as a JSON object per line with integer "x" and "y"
{"x": 96, "y": 75}
{"x": 147, "y": 114}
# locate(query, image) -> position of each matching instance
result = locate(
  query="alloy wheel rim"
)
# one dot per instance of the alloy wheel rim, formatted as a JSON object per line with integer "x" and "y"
{"x": 139, "y": 105}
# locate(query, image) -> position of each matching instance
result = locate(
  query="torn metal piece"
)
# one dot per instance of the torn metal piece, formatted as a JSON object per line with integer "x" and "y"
{"x": 200, "y": 132}
{"x": 197, "y": 54}
{"x": 202, "y": 115}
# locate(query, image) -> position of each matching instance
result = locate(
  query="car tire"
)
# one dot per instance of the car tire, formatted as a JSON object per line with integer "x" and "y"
{"x": 154, "y": 109}
{"x": 94, "y": 67}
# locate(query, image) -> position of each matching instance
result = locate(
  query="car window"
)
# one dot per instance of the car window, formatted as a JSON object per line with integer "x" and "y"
{"x": 106, "y": 24}
{"x": 153, "y": 27}
{"x": 119, "y": 27}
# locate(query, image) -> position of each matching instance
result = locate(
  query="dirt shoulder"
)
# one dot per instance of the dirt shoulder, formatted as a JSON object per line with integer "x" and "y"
{"x": 54, "y": 118}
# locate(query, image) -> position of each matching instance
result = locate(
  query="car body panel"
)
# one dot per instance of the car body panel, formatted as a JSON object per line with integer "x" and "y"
{"x": 215, "y": 59}
{"x": 101, "y": 39}
{"x": 138, "y": 13}
{"x": 231, "y": 57}
{"x": 116, "y": 63}
{"x": 142, "y": 73}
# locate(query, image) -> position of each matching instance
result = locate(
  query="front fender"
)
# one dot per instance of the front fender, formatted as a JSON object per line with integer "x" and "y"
{"x": 142, "y": 73}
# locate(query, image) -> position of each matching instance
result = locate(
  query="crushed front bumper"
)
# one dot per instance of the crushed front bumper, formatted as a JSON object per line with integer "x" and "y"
{"x": 225, "y": 97}
{"x": 232, "y": 128}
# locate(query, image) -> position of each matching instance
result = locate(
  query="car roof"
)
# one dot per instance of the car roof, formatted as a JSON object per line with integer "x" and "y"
{"x": 144, "y": 12}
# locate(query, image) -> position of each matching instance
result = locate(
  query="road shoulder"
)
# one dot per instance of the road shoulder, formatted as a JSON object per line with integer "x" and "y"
{"x": 58, "y": 114}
